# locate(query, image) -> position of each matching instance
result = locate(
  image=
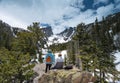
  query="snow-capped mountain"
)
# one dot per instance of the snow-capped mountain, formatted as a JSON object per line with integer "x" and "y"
{"x": 67, "y": 34}
{"x": 62, "y": 37}
{"x": 47, "y": 29}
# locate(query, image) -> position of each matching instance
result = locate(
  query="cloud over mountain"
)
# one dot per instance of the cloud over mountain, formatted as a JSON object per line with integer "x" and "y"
{"x": 58, "y": 13}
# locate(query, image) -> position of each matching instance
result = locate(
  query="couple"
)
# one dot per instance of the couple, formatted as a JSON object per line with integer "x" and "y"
{"x": 50, "y": 59}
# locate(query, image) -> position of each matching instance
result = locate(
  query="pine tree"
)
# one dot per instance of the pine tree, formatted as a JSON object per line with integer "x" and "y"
{"x": 24, "y": 42}
{"x": 39, "y": 38}
{"x": 96, "y": 48}
{"x": 84, "y": 42}
{"x": 104, "y": 41}
{"x": 14, "y": 67}
{"x": 71, "y": 52}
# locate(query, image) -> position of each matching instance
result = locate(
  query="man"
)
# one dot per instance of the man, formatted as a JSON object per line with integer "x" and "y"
{"x": 49, "y": 60}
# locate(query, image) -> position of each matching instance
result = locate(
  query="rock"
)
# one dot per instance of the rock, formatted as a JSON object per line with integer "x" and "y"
{"x": 39, "y": 69}
{"x": 67, "y": 76}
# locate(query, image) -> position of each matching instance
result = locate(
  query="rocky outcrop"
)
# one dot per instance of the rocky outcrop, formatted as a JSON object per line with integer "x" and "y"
{"x": 39, "y": 69}
{"x": 48, "y": 31}
{"x": 66, "y": 76}
{"x": 67, "y": 32}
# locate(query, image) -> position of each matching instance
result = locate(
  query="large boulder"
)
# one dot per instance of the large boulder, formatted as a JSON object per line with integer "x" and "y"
{"x": 67, "y": 76}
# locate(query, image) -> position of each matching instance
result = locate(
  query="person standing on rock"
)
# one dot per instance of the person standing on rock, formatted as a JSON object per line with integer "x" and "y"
{"x": 49, "y": 60}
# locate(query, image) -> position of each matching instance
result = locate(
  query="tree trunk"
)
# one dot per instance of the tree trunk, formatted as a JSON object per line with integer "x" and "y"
{"x": 100, "y": 76}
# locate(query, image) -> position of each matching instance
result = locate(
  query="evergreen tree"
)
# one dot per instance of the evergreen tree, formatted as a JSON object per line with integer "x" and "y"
{"x": 71, "y": 52}
{"x": 14, "y": 67}
{"x": 85, "y": 44}
{"x": 96, "y": 49}
{"x": 39, "y": 38}
{"x": 25, "y": 43}
{"x": 56, "y": 47}
{"x": 104, "y": 41}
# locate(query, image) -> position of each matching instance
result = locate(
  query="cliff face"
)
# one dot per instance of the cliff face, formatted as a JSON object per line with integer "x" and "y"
{"x": 6, "y": 34}
{"x": 48, "y": 31}
{"x": 67, "y": 76}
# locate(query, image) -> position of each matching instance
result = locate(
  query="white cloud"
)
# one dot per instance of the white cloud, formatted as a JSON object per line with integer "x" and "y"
{"x": 11, "y": 20}
{"x": 117, "y": 4}
{"x": 45, "y": 11}
{"x": 117, "y": 1}
{"x": 58, "y": 13}
{"x": 77, "y": 4}
{"x": 40, "y": 10}
{"x": 87, "y": 17}
{"x": 104, "y": 10}
{"x": 96, "y": 2}
{"x": 82, "y": 17}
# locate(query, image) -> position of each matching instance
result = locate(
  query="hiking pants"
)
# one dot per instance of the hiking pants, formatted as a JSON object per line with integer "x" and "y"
{"x": 48, "y": 66}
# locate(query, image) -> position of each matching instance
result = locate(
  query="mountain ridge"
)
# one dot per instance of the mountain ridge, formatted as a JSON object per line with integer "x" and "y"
{"x": 67, "y": 33}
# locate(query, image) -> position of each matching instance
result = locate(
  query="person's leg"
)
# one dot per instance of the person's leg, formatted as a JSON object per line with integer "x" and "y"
{"x": 50, "y": 66}
{"x": 46, "y": 68}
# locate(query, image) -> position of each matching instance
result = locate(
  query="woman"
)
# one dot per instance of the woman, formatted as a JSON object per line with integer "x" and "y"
{"x": 59, "y": 62}
{"x": 49, "y": 60}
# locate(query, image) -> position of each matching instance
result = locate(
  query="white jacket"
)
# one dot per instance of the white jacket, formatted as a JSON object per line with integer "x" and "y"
{"x": 59, "y": 59}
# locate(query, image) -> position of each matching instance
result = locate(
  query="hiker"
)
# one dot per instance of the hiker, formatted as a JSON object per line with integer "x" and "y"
{"x": 49, "y": 60}
{"x": 59, "y": 59}
{"x": 59, "y": 62}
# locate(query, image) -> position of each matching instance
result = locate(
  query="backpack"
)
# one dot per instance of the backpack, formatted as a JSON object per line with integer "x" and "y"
{"x": 48, "y": 59}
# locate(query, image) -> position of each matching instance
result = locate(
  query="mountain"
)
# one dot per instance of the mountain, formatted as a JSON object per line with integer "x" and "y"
{"x": 62, "y": 37}
{"x": 6, "y": 34}
{"x": 67, "y": 32}
{"x": 5, "y": 29}
{"x": 15, "y": 30}
{"x": 113, "y": 22}
{"x": 47, "y": 29}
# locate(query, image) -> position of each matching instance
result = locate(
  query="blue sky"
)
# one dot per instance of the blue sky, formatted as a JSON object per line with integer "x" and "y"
{"x": 58, "y": 13}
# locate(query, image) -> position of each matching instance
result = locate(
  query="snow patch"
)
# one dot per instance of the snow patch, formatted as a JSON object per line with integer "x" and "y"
{"x": 54, "y": 39}
{"x": 117, "y": 55}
